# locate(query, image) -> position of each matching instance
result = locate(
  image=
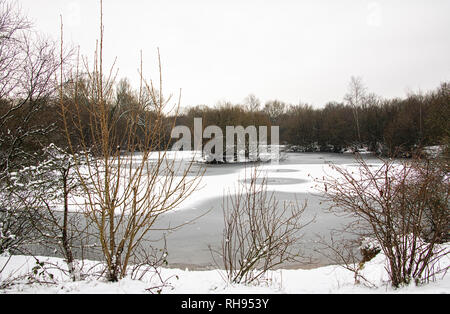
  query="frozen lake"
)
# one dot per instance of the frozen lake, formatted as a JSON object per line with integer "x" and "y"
{"x": 291, "y": 179}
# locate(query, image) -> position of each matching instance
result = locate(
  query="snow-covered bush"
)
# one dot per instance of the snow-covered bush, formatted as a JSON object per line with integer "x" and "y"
{"x": 16, "y": 213}
{"x": 369, "y": 249}
{"x": 55, "y": 182}
{"x": 35, "y": 202}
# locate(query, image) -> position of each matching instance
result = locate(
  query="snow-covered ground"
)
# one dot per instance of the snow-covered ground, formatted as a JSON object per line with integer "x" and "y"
{"x": 325, "y": 280}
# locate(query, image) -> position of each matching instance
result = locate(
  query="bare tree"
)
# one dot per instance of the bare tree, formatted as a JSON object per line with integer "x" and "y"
{"x": 274, "y": 109}
{"x": 356, "y": 98}
{"x": 28, "y": 65}
{"x": 12, "y": 26}
{"x": 252, "y": 103}
{"x": 132, "y": 181}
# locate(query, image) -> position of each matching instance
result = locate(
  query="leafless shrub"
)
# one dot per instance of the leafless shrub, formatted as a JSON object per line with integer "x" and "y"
{"x": 39, "y": 274}
{"x": 148, "y": 259}
{"x": 16, "y": 217}
{"x": 148, "y": 264}
{"x": 52, "y": 184}
{"x": 350, "y": 254}
{"x": 132, "y": 181}
{"x": 259, "y": 234}
{"x": 403, "y": 206}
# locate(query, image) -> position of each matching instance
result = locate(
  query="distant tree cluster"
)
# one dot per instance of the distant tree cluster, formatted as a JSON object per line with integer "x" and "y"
{"x": 387, "y": 126}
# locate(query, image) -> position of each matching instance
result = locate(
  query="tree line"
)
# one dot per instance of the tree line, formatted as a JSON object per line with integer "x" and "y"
{"x": 387, "y": 126}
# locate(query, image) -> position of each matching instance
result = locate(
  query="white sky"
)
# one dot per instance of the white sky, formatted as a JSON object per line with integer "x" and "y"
{"x": 290, "y": 50}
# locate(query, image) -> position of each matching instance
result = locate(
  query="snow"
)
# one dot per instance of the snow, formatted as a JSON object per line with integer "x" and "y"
{"x": 330, "y": 279}
{"x": 324, "y": 280}
{"x": 216, "y": 186}
{"x": 433, "y": 151}
{"x": 306, "y": 175}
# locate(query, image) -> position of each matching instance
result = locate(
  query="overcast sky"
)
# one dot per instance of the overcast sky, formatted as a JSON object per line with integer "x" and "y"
{"x": 290, "y": 50}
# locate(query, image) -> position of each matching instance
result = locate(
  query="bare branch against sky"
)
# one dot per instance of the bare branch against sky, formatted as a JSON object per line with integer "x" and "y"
{"x": 289, "y": 49}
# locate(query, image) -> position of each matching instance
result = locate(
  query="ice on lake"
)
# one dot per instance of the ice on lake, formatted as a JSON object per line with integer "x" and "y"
{"x": 290, "y": 180}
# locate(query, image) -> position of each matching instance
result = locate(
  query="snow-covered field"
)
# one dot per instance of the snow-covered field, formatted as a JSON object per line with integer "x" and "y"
{"x": 325, "y": 280}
